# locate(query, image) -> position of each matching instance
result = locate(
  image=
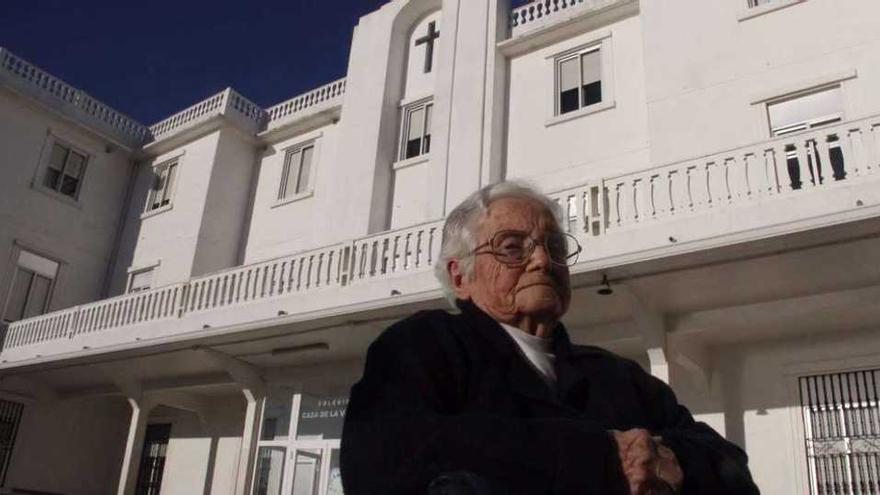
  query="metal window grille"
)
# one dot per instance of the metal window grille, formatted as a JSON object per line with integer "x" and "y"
{"x": 842, "y": 431}
{"x": 10, "y": 418}
{"x": 153, "y": 459}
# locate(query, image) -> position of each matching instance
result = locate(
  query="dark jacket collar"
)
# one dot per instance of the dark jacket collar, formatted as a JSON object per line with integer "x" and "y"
{"x": 524, "y": 379}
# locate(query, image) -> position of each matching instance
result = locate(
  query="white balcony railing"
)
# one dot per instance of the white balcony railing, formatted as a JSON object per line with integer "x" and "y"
{"x": 541, "y": 11}
{"x": 227, "y": 102}
{"x": 329, "y": 93}
{"x": 600, "y": 214}
{"x": 30, "y": 78}
{"x": 371, "y": 258}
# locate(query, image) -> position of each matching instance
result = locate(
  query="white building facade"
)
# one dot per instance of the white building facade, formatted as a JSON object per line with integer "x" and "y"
{"x": 185, "y": 305}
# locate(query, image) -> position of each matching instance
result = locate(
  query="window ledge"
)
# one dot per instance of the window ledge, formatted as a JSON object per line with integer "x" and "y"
{"x": 292, "y": 199}
{"x": 597, "y": 107}
{"x": 157, "y": 211}
{"x": 752, "y": 12}
{"x": 409, "y": 162}
{"x": 57, "y": 195}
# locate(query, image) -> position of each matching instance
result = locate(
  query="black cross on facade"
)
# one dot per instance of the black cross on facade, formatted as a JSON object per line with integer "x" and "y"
{"x": 428, "y": 41}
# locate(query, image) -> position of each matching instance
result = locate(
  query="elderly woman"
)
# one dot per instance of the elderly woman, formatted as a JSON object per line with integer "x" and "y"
{"x": 496, "y": 399}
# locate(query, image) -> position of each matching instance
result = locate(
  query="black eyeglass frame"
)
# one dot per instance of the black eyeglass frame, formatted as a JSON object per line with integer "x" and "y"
{"x": 529, "y": 249}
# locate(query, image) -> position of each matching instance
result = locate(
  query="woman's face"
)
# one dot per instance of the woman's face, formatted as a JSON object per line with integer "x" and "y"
{"x": 537, "y": 289}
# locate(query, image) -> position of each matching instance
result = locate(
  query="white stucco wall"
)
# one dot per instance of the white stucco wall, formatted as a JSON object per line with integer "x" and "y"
{"x": 73, "y": 447}
{"x": 227, "y": 204}
{"x": 702, "y": 77}
{"x": 418, "y": 82}
{"x": 199, "y": 459}
{"x": 283, "y": 227}
{"x": 202, "y": 230}
{"x": 79, "y": 234}
{"x": 555, "y": 153}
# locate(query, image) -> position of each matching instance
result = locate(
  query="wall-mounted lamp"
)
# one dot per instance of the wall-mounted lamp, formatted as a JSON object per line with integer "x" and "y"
{"x": 605, "y": 289}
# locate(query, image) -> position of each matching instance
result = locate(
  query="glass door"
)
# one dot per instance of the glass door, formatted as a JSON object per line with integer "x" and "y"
{"x": 298, "y": 452}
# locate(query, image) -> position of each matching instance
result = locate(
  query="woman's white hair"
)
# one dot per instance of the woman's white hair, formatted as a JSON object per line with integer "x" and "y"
{"x": 459, "y": 238}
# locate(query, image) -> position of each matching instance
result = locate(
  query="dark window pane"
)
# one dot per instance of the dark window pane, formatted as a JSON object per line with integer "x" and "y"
{"x": 68, "y": 185}
{"x": 837, "y": 164}
{"x": 794, "y": 172}
{"x": 39, "y": 296}
{"x": 592, "y": 93}
{"x": 413, "y": 148}
{"x": 568, "y": 101}
{"x": 51, "y": 179}
{"x": 427, "y": 143}
{"x": 18, "y": 297}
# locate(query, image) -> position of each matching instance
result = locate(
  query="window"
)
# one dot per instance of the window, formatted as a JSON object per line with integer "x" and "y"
{"x": 140, "y": 280}
{"x": 65, "y": 170}
{"x": 758, "y": 3}
{"x": 165, "y": 176}
{"x": 803, "y": 112}
{"x": 416, "y": 130}
{"x": 841, "y": 426}
{"x": 579, "y": 80}
{"x": 10, "y": 418}
{"x": 32, "y": 284}
{"x": 297, "y": 174}
{"x": 152, "y": 465}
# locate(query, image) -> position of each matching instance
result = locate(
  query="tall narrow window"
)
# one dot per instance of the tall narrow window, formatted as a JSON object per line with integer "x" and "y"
{"x": 297, "y": 174}
{"x": 31, "y": 289}
{"x": 163, "y": 186}
{"x": 65, "y": 170}
{"x": 841, "y": 427}
{"x": 141, "y": 280}
{"x": 416, "y": 140}
{"x": 579, "y": 80}
{"x": 10, "y": 418}
{"x": 152, "y": 465}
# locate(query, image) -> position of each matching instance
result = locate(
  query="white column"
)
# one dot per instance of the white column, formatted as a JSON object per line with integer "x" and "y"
{"x": 249, "y": 437}
{"x": 140, "y": 411}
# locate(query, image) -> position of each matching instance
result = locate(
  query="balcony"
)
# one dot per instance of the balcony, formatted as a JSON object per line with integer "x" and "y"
{"x": 796, "y": 183}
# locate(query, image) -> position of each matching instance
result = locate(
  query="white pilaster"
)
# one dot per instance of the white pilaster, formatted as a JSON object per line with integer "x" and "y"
{"x": 652, "y": 327}
{"x": 249, "y": 436}
{"x": 140, "y": 411}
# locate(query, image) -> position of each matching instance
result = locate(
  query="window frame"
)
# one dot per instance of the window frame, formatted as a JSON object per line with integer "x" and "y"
{"x": 809, "y": 124}
{"x": 15, "y": 268}
{"x": 283, "y": 196}
{"x": 750, "y": 9}
{"x": 39, "y": 180}
{"x": 133, "y": 274}
{"x": 157, "y": 172}
{"x": 406, "y": 111}
{"x": 601, "y": 42}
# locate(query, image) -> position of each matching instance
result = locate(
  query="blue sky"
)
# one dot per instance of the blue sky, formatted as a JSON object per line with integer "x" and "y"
{"x": 151, "y": 59}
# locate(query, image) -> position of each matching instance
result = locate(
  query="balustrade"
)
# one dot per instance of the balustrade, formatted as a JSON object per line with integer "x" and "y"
{"x": 784, "y": 166}
{"x": 31, "y": 77}
{"x": 305, "y": 101}
{"x": 534, "y": 11}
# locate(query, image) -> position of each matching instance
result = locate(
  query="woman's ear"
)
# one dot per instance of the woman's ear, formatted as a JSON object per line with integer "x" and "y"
{"x": 460, "y": 285}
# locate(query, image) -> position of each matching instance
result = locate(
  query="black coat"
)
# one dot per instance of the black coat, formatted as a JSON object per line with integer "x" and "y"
{"x": 447, "y": 393}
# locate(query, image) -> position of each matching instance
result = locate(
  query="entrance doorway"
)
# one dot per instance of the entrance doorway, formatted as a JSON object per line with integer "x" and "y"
{"x": 298, "y": 451}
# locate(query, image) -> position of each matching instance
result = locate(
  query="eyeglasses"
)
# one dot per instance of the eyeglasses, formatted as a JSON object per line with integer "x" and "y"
{"x": 514, "y": 247}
